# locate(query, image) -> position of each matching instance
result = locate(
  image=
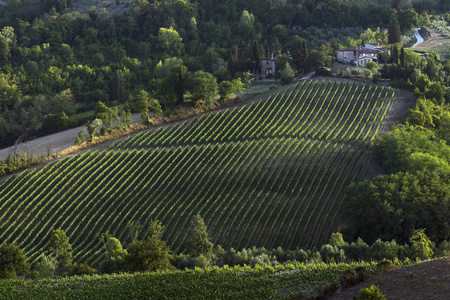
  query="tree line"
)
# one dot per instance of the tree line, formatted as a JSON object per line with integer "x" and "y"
{"x": 153, "y": 254}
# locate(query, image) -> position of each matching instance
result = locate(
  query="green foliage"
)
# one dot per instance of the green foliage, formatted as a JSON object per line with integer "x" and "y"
{"x": 408, "y": 19}
{"x": 154, "y": 106}
{"x": 94, "y": 128}
{"x": 202, "y": 86}
{"x": 151, "y": 254}
{"x": 44, "y": 265}
{"x": 198, "y": 242}
{"x": 393, "y": 148}
{"x": 421, "y": 244}
{"x": 225, "y": 89}
{"x": 13, "y": 261}
{"x": 394, "y": 31}
{"x": 287, "y": 74}
{"x": 318, "y": 59}
{"x": 392, "y": 206}
{"x": 170, "y": 41}
{"x": 372, "y": 65}
{"x": 107, "y": 115}
{"x": 211, "y": 283}
{"x": 125, "y": 117}
{"x": 371, "y": 293}
{"x": 82, "y": 269}
{"x": 80, "y": 138}
{"x": 60, "y": 247}
{"x": 115, "y": 255}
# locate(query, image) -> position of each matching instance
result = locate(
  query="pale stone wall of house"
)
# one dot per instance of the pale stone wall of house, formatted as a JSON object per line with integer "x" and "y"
{"x": 346, "y": 55}
{"x": 267, "y": 66}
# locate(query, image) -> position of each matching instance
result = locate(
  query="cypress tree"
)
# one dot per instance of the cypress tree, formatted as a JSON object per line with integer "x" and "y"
{"x": 256, "y": 57}
{"x": 301, "y": 55}
{"x": 233, "y": 62}
{"x": 276, "y": 48}
{"x": 199, "y": 243}
{"x": 395, "y": 54}
{"x": 394, "y": 31}
{"x": 402, "y": 57}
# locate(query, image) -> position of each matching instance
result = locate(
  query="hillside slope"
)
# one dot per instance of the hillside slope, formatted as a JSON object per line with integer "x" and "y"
{"x": 425, "y": 280}
{"x": 269, "y": 174}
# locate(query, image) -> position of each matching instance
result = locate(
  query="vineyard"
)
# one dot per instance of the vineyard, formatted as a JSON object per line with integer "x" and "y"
{"x": 268, "y": 174}
{"x": 279, "y": 282}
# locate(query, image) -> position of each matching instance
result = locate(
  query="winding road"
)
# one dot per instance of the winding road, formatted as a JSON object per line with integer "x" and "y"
{"x": 418, "y": 37}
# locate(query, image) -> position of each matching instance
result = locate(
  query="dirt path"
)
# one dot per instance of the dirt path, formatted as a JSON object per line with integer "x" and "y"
{"x": 425, "y": 280}
{"x": 50, "y": 144}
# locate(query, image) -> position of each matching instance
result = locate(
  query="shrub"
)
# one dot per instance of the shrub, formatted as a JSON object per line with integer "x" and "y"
{"x": 44, "y": 266}
{"x": 371, "y": 293}
{"x": 356, "y": 71}
{"x": 353, "y": 277}
{"x": 82, "y": 269}
{"x": 385, "y": 266}
{"x": 372, "y": 65}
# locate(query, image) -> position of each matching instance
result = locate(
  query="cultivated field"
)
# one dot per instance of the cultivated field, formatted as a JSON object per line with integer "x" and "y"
{"x": 268, "y": 174}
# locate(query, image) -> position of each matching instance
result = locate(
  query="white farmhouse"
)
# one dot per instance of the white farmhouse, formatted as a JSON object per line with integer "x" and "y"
{"x": 357, "y": 56}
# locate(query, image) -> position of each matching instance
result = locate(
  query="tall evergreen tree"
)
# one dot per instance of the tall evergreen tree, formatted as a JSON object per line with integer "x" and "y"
{"x": 394, "y": 31}
{"x": 402, "y": 57}
{"x": 233, "y": 62}
{"x": 118, "y": 88}
{"x": 256, "y": 57}
{"x": 276, "y": 47}
{"x": 178, "y": 77}
{"x": 301, "y": 55}
{"x": 199, "y": 243}
{"x": 266, "y": 49}
{"x": 395, "y": 54}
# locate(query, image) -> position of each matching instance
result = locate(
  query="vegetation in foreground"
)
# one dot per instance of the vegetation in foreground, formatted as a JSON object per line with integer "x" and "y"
{"x": 240, "y": 282}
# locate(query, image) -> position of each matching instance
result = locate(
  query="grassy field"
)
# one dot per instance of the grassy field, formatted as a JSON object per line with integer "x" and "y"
{"x": 268, "y": 174}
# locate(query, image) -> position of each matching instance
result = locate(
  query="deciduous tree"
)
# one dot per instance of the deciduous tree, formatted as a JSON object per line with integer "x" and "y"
{"x": 60, "y": 248}
{"x": 151, "y": 254}
{"x": 13, "y": 261}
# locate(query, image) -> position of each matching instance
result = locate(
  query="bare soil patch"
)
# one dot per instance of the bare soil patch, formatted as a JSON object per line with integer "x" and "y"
{"x": 425, "y": 280}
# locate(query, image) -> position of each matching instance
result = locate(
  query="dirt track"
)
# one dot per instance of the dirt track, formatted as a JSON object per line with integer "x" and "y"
{"x": 50, "y": 144}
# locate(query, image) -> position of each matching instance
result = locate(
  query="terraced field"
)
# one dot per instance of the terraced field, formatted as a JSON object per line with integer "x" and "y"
{"x": 268, "y": 174}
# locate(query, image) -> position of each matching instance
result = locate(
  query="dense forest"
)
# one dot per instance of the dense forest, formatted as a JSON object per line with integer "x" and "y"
{"x": 56, "y": 63}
